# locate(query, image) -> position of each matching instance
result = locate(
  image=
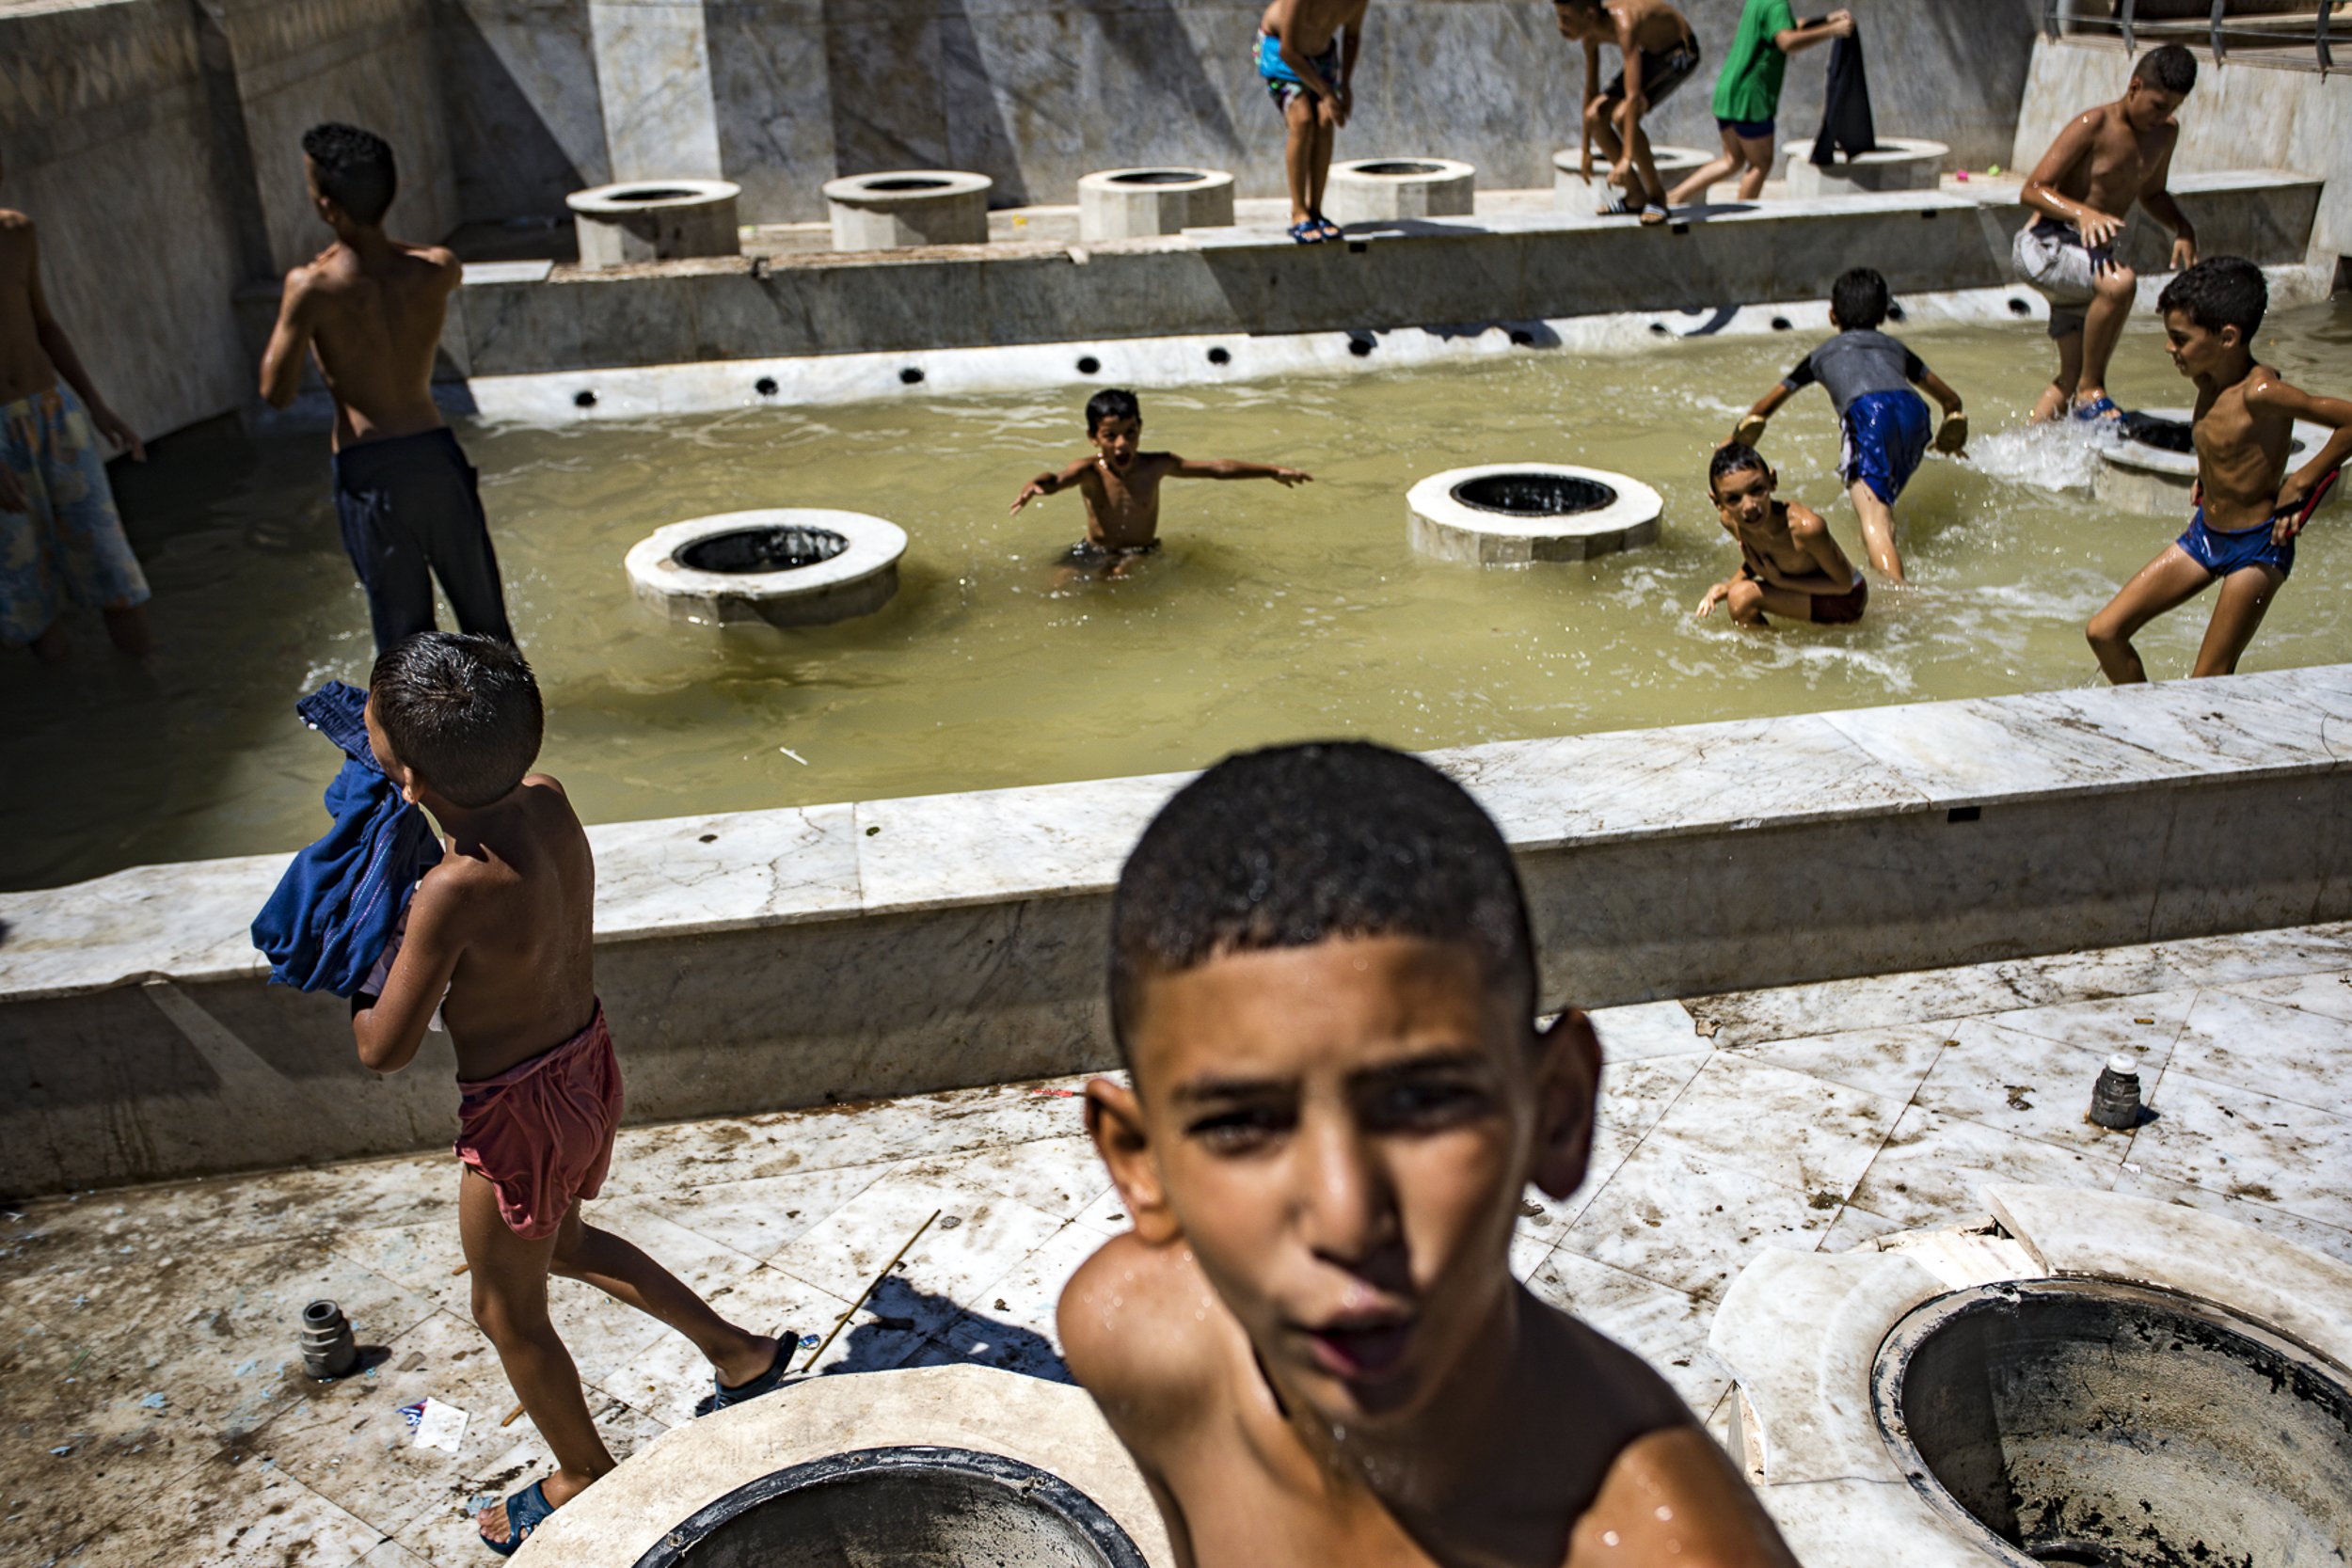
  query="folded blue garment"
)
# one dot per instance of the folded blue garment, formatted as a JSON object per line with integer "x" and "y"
{"x": 337, "y": 905}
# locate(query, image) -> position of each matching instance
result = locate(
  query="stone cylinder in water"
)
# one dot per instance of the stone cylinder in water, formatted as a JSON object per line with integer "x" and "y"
{"x": 327, "y": 1348}
{"x": 2114, "y": 1098}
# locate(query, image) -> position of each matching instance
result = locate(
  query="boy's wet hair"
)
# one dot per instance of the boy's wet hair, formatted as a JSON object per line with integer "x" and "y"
{"x": 462, "y": 710}
{"x": 2171, "y": 68}
{"x": 1111, "y": 402}
{"x": 355, "y": 169}
{"x": 1860, "y": 298}
{"x": 1297, "y": 845}
{"x": 1734, "y": 457}
{"x": 2218, "y": 292}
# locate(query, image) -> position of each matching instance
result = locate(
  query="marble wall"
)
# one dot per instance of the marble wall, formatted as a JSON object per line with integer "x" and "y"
{"x": 526, "y": 123}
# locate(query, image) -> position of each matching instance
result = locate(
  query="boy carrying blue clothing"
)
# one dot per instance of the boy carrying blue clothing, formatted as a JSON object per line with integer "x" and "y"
{"x": 1869, "y": 376}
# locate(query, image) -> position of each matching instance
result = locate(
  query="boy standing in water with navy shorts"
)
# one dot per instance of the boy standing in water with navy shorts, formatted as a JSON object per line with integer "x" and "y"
{"x": 1310, "y": 1342}
{"x": 2248, "y": 508}
{"x": 1747, "y": 94}
{"x": 371, "y": 308}
{"x": 1305, "y": 54}
{"x": 1868, "y": 375}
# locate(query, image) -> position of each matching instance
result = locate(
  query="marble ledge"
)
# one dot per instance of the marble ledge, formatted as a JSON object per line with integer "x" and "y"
{"x": 690, "y": 876}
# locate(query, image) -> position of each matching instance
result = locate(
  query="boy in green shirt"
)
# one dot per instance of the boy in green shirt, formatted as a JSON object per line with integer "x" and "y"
{"x": 1747, "y": 94}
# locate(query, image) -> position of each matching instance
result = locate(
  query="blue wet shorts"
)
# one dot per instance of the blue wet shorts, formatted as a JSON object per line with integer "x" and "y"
{"x": 2222, "y": 552}
{"x": 1747, "y": 130}
{"x": 1886, "y": 437}
{"x": 1282, "y": 82}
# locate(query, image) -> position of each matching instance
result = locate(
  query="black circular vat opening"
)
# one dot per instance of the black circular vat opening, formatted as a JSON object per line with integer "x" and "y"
{"x": 651, "y": 193}
{"x": 1894, "y": 310}
{"x": 1398, "y": 167}
{"x": 1087, "y": 365}
{"x": 765, "y": 386}
{"x": 763, "y": 549}
{"x": 1660, "y": 329}
{"x": 915, "y": 1507}
{"x": 584, "y": 400}
{"x": 1780, "y": 324}
{"x": 1533, "y": 495}
{"x": 2018, "y": 306}
{"x": 1220, "y": 357}
{"x": 1522, "y": 336}
{"x": 2087, "y": 1421}
{"x": 1360, "y": 346}
{"x": 1156, "y": 176}
{"x": 907, "y": 183}
{"x": 909, "y": 376}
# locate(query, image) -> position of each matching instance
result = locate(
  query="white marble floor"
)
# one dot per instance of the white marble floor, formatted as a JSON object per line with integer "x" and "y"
{"x": 153, "y": 1408}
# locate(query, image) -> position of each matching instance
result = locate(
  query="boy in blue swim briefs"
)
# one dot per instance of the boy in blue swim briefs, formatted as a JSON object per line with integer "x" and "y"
{"x": 1747, "y": 94}
{"x": 2248, "y": 507}
{"x": 1305, "y": 54}
{"x": 1868, "y": 375}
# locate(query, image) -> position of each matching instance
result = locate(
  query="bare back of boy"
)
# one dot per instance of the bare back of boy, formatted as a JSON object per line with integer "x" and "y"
{"x": 1582, "y": 1454}
{"x": 374, "y": 321}
{"x": 509, "y": 910}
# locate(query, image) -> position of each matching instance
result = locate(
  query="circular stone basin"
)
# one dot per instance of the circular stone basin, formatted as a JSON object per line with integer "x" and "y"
{"x": 1382, "y": 190}
{"x": 654, "y": 221}
{"x": 1145, "y": 203}
{"x": 906, "y": 182}
{"x": 1898, "y": 164}
{"x": 914, "y": 1507}
{"x": 1157, "y": 175}
{"x": 1396, "y": 169}
{"x": 2082, "y": 1422}
{"x": 2156, "y": 479}
{"x": 1571, "y": 192}
{"x": 788, "y": 566}
{"x": 900, "y": 206}
{"x": 1511, "y": 513}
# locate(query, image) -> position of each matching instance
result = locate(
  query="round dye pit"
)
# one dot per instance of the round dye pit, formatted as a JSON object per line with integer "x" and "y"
{"x": 896, "y": 208}
{"x": 1898, "y": 163}
{"x": 2083, "y": 1421}
{"x": 912, "y": 1507}
{"x": 1572, "y": 193}
{"x": 788, "y": 566}
{"x": 1509, "y": 513}
{"x": 1144, "y": 203}
{"x": 1384, "y": 190}
{"x": 654, "y": 221}
{"x": 2156, "y": 476}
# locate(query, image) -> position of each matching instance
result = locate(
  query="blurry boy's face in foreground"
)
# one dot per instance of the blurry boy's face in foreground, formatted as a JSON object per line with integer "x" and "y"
{"x": 1341, "y": 1134}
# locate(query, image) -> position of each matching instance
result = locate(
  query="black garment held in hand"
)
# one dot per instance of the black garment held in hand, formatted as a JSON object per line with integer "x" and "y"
{"x": 409, "y": 505}
{"x": 1846, "y": 125}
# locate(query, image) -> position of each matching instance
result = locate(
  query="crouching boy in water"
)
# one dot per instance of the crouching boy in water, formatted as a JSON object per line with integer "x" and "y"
{"x": 496, "y": 939}
{"x": 1121, "y": 486}
{"x": 1790, "y": 566}
{"x": 1310, "y": 1342}
{"x": 1883, "y": 424}
{"x": 2248, "y": 508}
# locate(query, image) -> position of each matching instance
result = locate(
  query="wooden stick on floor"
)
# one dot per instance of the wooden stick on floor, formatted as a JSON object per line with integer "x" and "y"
{"x": 842, "y": 1322}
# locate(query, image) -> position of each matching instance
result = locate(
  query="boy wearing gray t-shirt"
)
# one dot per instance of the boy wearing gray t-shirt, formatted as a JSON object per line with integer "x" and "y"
{"x": 1869, "y": 376}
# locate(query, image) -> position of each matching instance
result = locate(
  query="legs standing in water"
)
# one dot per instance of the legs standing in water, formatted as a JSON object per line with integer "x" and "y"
{"x": 61, "y": 541}
{"x": 510, "y": 1303}
{"x": 2164, "y": 583}
{"x": 1877, "y": 529}
{"x": 2103, "y": 327}
{"x": 2058, "y": 396}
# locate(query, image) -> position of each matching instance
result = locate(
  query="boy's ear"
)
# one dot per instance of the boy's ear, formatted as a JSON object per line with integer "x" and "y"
{"x": 1567, "y": 1090}
{"x": 1115, "y": 1122}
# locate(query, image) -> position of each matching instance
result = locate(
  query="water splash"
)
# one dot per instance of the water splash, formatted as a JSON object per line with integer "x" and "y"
{"x": 2062, "y": 456}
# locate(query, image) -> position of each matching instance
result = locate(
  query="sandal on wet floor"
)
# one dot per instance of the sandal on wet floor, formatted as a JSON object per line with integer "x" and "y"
{"x": 526, "y": 1511}
{"x": 722, "y": 1397}
{"x": 2100, "y": 407}
{"x": 1615, "y": 207}
{"x": 1654, "y": 214}
{"x": 1308, "y": 231}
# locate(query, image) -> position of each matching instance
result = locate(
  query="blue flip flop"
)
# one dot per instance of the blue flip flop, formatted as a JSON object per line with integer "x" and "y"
{"x": 2100, "y": 407}
{"x": 722, "y": 1397}
{"x": 526, "y": 1511}
{"x": 1308, "y": 232}
{"x": 1329, "y": 229}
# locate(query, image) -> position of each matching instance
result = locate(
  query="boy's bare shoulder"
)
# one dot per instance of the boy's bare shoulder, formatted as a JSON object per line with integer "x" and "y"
{"x": 1803, "y": 522}
{"x": 1139, "y": 1326}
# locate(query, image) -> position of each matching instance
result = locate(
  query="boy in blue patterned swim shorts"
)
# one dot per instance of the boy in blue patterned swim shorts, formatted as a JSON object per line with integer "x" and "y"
{"x": 59, "y": 537}
{"x": 1305, "y": 54}
{"x": 2248, "y": 507}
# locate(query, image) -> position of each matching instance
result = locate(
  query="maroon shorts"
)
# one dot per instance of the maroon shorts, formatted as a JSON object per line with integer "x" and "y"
{"x": 542, "y": 1131}
{"x": 1841, "y": 610}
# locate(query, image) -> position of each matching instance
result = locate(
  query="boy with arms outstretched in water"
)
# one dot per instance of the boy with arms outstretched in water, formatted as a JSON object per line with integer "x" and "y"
{"x": 1121, "y": 485}
{"x": 1883, "y": 424}
{"x": 1658, "y": 53}
{"x": 1790, "y": 566}
{"x": 2248, "y": 508}
{"x": 1306, "y": 56}
{"x": 1310, "y": 1342}
{"x": 370, "y": 308}
{"x": 60, "y": 537}
{"x": 496, "y": 939}
{"x": 2105, "y": 160}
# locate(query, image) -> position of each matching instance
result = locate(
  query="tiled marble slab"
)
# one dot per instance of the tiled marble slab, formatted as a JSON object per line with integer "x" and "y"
{"x": 2247, "y": 1145}
{"x": 2285, "y": 1051}
{"x": 1678, "y": 1216}
{"x": 2029, "y": 1085}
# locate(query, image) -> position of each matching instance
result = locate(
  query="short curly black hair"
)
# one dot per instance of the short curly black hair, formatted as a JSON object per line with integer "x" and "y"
{"x": 1860, "y": 298}
{"x": 462, "y": 710}
{"x": 1733, "y": 457}
{"x": 2218, "y": 292}
{"x": 355, "y": 168}
{"x": 1111, "y": 402}
{"x": 2171, "y": 68}
{"x": 1297, "y": 845}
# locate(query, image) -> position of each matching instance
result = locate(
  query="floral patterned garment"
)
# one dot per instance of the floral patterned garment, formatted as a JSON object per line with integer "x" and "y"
{"x": 70, "y": 542}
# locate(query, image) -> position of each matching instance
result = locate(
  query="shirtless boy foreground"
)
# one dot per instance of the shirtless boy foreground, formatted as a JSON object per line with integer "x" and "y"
{"x": 1658, "y": 53}
{"x": 1310, "y": 1342}
{"x": 371, "y": 307}
{"x": 497, "y": 940}
{"x": 2105, "y": 160}
{"x": 1790, "y": 566}
{"x": 60, "y": 538}
{"x": 1121, "y": 486}
{"x": 2248, "y": 508}
{"x": 1306, "y": 56}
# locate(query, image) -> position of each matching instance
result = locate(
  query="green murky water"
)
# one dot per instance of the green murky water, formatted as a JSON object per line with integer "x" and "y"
{"x": 1271, "y": 613}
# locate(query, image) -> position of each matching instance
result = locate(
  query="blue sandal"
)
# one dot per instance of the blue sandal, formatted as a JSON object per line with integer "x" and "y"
{"x": 1308, "y": 232}
{"x": 526, "y": 1511}
{"x": 2100, "y": 407}
{"x": 722, "y": 1397}
{"x": 1329, "y": 229}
